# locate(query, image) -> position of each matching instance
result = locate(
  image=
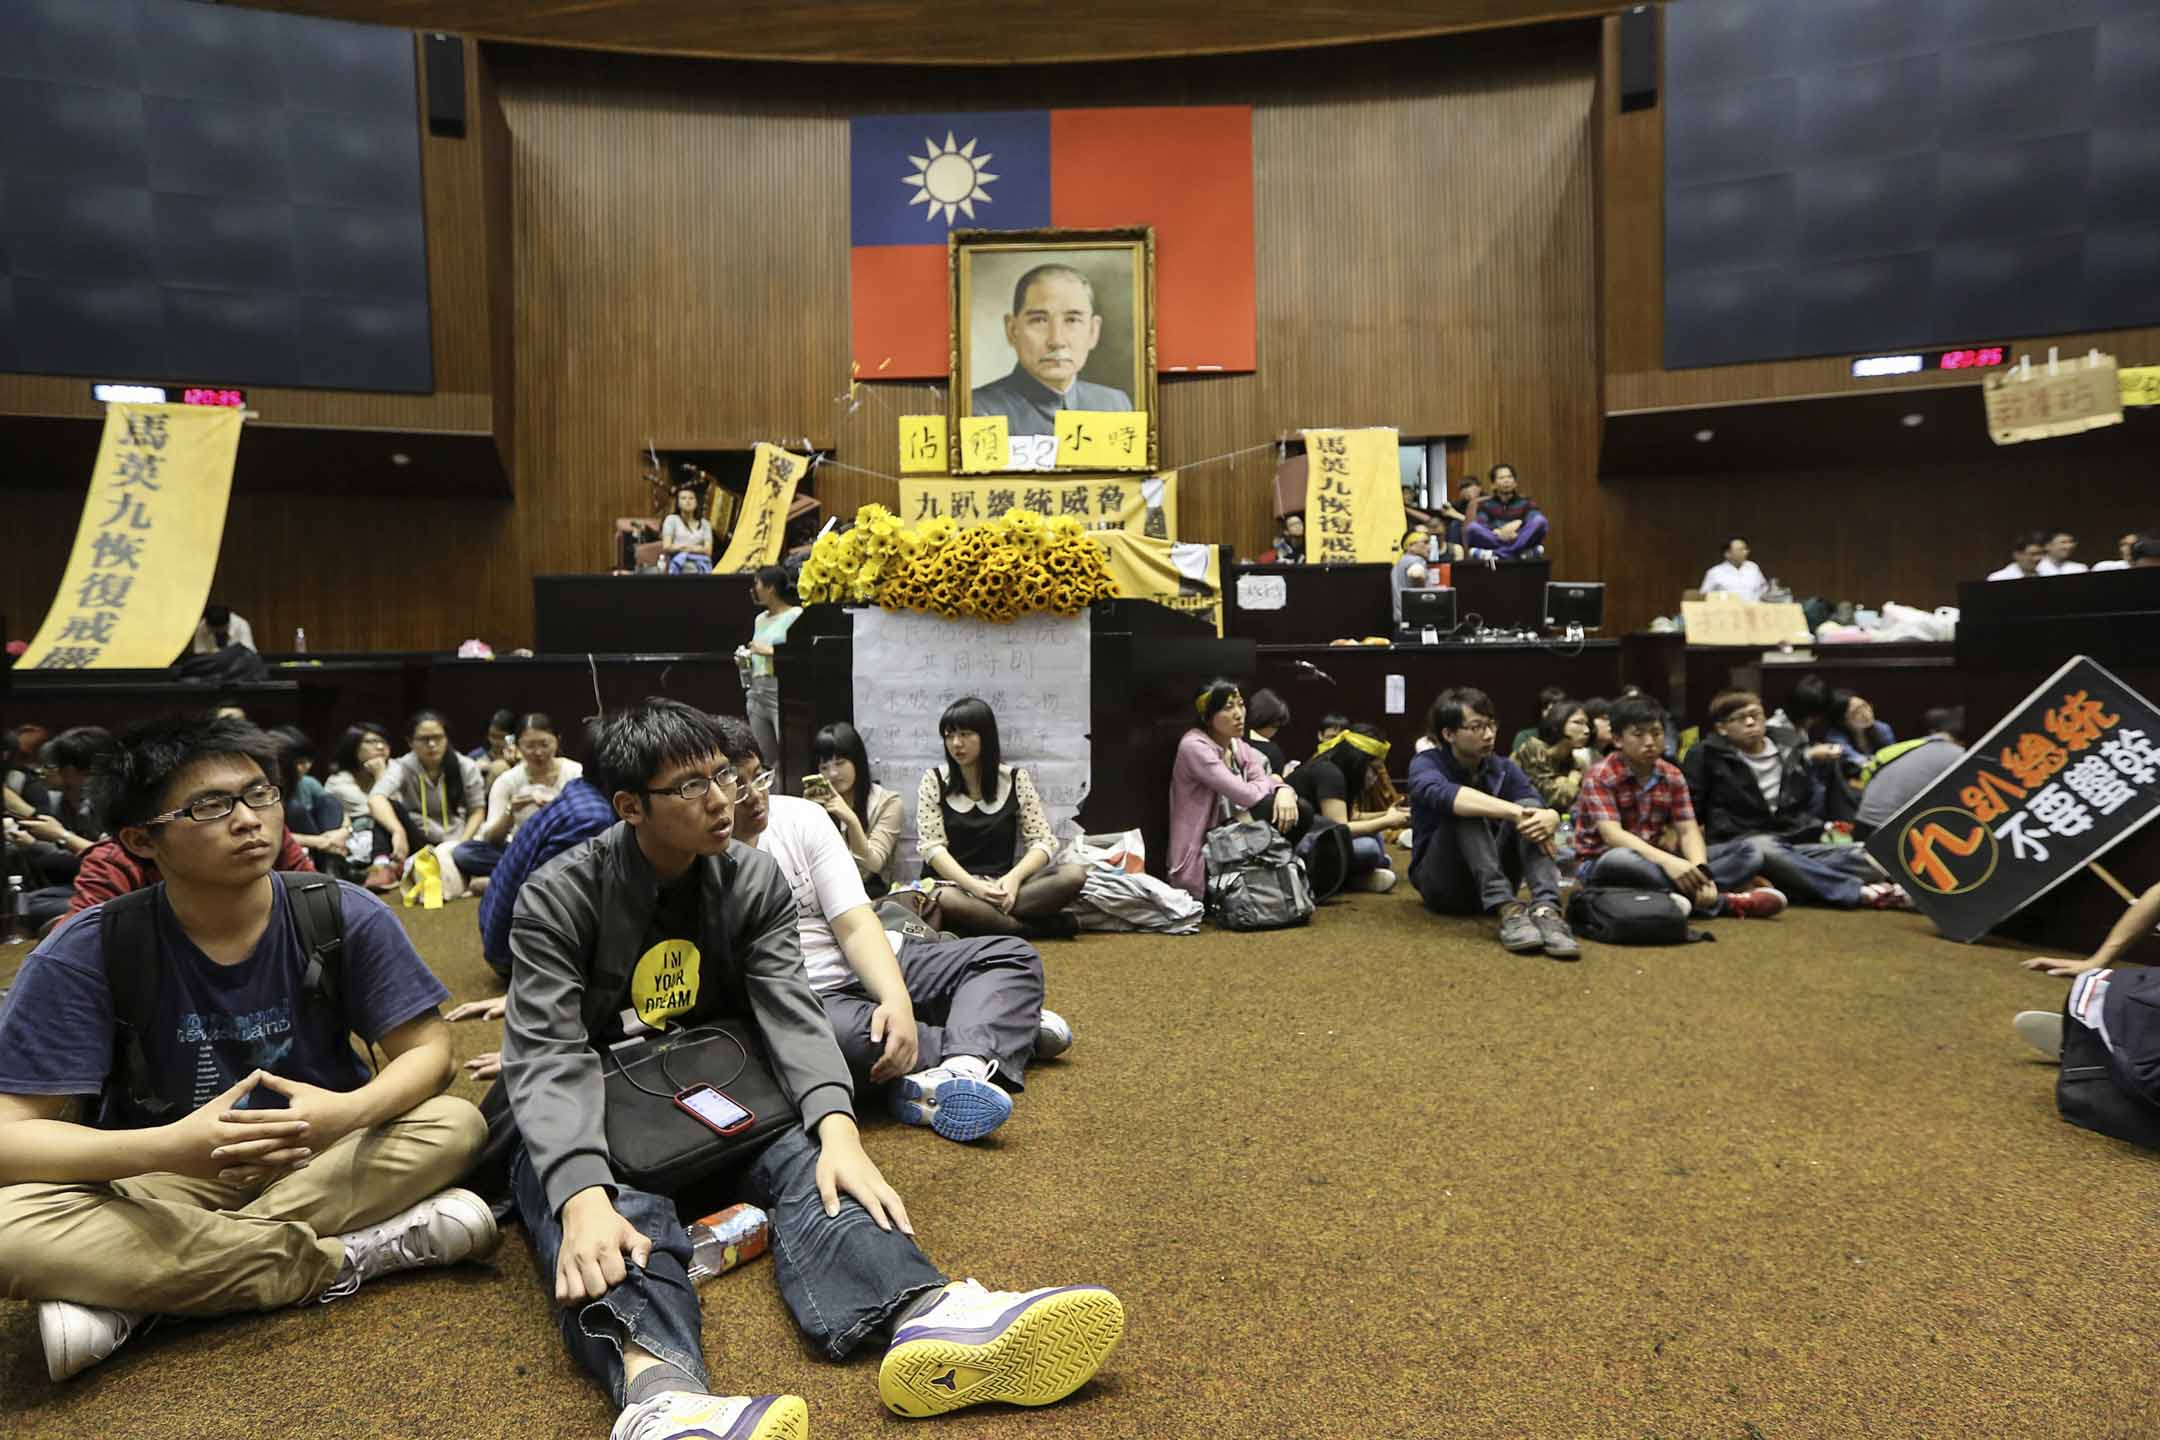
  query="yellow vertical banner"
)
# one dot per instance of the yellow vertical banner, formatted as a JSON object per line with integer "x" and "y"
{"x": 1186, "y": 578}
{"x": 1353, "y": 497}
{"x": 767, "y": 499}
{"x": 147, "y": 545}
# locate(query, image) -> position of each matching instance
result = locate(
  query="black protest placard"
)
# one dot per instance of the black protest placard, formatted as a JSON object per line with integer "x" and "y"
{"x": 2066, "y": 776}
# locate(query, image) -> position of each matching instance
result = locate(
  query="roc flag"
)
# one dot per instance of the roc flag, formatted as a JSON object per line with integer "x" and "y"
{"x": 1186, "y": 170}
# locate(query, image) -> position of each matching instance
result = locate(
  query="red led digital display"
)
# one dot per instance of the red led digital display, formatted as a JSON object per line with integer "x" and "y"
{"x": 1970, "y": 359}
{"x": 208, "y": 395}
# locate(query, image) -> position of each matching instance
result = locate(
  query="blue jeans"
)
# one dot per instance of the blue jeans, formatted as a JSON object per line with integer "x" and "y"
{"x": 682, "y": 562}
{"x": 1817, "y": 874}
{"x": 1367, "y": 852}
{"x": 1731, "y": 863}
{"x": 842, "y": 1277}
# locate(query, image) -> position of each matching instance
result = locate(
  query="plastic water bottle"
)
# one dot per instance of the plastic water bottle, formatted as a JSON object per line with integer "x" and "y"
{"x": 299, "y": 640}
{"x": 13, "y": 930}
{"x": 721, "y": 1241}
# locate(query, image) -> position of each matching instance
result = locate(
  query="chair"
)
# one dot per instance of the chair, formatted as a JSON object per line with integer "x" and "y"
{"x": 646, "y": 556}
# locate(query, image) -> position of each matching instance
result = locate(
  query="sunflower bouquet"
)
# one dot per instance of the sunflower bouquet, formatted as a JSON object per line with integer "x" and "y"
{"x": 1018, "y": 564}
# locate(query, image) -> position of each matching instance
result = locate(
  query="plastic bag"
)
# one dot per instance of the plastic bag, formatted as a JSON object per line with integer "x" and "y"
{"x": 424, "y": 881}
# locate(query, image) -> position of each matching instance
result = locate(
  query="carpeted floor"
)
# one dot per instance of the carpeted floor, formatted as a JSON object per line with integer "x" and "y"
{"x": 1376, "y": 1178}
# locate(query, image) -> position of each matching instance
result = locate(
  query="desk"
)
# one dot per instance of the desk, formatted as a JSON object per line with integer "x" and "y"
{"x": 639, "y": 614}
{"x": 1314, "y": 679}
{"x": 1903, "y": 680}
{"x": 1350, "y": 602}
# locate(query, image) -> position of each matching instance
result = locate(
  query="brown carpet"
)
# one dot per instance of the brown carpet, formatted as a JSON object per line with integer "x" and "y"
{"x": 1377, "y": 1178}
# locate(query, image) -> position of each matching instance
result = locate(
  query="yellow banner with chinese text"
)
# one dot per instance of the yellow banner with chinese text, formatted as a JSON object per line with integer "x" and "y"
{"x": 2140, "y": 384}
{"x": 1144, "y": 505}
{"x": 1101, "y": 440}
{"x": 767, "y": 499}
{"x": 1186, "y": 578}
{"x": 1353, "y": 497}
{"x": 148, "y": 542}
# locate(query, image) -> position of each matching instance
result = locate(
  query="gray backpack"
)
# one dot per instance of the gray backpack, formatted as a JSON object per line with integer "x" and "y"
{"x": 1254, "y": 881}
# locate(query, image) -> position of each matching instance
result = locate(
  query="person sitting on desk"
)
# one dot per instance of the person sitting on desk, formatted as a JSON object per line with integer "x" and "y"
{"x": 2025, "y": 557}
{"x": 1053, "y": 328}
{"x": 1471, "y": 495}
{"x": 1507, "y": 524}
{"x": 1735, "y": 574}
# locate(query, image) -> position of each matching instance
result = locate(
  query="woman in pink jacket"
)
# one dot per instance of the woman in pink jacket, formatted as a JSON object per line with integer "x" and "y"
{"x": 1218, "y": 777}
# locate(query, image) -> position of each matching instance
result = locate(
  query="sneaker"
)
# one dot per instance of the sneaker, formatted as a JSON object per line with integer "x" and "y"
{"x": 1757, "y": 904}
{"x": 956, "y": 1105}
{"x": 447, "y": 1227}
{"x": 682, "y": 1414}
{"x": 1053, "y": 1035}
{"x": 1885, "y": 895}
{"x": 1554, "y": 935}
{"x": 1485, "y": 558}
{"x": 1405, "y": 839}
{"x": 1379, "y": 881}
{"x": 383, "y": 875}
{"x": 1518, "y": 932}
{"x": 976, "y": 1345}
{"x": 2041, "y": 1029}
{"x": 78, "y": 1336}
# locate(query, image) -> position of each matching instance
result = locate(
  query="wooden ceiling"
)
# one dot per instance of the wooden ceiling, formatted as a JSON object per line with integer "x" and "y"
{"x": 944, "y": 32}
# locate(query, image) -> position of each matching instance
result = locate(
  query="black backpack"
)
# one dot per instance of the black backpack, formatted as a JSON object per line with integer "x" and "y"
{"x": 1613, "y": 916}
{"x": 128, "y": 941}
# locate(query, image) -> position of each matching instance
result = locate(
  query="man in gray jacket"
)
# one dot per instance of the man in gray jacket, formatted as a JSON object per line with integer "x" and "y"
{"x": 659, "y": 922}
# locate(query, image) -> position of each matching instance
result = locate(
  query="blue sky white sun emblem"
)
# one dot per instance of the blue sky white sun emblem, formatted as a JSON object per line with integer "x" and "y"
{"x": 949, "y": 179}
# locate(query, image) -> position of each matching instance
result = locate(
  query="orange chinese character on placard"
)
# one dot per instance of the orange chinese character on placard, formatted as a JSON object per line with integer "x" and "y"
{"x": 1927, "y": 866}
{"x": 2077, "y": 722}
{"x": 2034, "y": 759}
{"x": 1988, "y": 798}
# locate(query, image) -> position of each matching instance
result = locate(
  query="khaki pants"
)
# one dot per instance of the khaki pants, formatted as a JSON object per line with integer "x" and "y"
{"x": 173, "y": 1245}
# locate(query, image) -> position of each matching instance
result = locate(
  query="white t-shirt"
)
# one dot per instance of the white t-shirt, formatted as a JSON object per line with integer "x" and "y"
{"x": 507, "y": 784}
{"x": 677, "y": 531}
{"x": 2010, "y": 572}
{"x": 2061, "y": 567}
{"x": 801, "y": 839}
{"x": 1746, "y": 581}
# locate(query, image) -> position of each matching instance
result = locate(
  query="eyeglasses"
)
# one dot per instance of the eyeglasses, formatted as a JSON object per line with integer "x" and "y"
{"x": 206, "y": 808}
{"x": 1477, "y": 727}
{"x": 727, "y": 777}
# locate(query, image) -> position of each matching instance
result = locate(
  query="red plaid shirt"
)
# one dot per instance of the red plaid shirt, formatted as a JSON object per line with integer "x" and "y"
{"x": 1645, "y": 809}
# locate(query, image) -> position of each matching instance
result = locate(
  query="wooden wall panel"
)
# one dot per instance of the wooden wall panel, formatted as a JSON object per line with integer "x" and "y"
{"x": 1423, "y": 251}
{"x": 1631, "y": 234}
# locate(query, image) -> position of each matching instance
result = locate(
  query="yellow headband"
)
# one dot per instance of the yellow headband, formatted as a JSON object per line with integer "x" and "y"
{"x": 1199, "y": 703}
{"x": 1376, "y": 748}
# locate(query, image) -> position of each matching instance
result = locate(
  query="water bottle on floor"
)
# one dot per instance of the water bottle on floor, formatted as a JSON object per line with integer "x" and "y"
{"x": 14, "y": 929}
{"x": 725, "y": 1239}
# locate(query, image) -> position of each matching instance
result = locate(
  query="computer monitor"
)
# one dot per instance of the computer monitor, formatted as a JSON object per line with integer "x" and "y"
{"x": 1428, "y": 610}
{"x": 1573, "y": 606}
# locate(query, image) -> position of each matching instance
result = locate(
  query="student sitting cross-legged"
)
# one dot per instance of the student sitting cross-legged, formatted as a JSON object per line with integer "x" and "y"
{"x": 1635, "y": 826}
{"x": 661, "y": 923}
{"x": 1745, "y": 786}
{"x": 185, "y": 1128}
{"x": 1481, "y": 829}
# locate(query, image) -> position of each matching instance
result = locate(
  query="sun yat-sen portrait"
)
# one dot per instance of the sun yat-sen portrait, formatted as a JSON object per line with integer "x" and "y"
{"x": 1045, "y": 321}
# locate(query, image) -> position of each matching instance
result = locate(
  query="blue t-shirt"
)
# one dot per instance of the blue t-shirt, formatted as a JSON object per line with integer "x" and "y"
{"x": 215, "y": 1023}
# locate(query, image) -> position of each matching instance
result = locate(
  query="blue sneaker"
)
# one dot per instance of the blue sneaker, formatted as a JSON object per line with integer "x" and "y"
{"x": 951, "y": 1102}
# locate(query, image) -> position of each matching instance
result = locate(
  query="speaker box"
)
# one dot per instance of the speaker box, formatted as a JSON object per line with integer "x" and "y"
{"x": 446, "y": 86}
{"x": 1638, "y": 57}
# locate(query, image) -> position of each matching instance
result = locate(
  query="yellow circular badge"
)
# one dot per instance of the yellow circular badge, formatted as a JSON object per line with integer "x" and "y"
{"x": 665, "y": 982}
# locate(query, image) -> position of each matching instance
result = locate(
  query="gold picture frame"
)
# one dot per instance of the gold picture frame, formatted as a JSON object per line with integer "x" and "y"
{"x": 984, "y": 269}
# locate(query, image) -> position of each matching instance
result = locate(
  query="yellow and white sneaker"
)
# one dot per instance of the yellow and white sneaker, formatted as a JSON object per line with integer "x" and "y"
{"x": 974, "y": 1345}
{"x": 681, "y": 1415}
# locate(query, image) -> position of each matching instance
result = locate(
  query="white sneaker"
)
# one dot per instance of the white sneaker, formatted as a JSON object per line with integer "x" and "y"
{"x": 1021, "y": 1347}
{"x": 443, "y": 1229}
{"x": 681, "y": 1414}
{"x": 1379, "y": 881}
{"x": 951, "y": 1102}
{"x": 1404, "y": 838}
{"x": 2041, "y": 1029}
{"x": 1053, "y": 1036}
{"x": 78, "y": 1336}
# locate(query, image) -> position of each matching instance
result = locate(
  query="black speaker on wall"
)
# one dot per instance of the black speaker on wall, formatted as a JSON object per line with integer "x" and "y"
{"x": 1638, "y": 58}
{"x": 446, "y": 86}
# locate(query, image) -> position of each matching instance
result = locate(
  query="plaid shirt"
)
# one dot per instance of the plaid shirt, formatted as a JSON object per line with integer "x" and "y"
{"x": 576, "y": 814}
{"x": 1645, "y": 809}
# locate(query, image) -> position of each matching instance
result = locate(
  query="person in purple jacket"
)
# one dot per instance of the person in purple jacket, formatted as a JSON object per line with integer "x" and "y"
{"x": 1507, "y": 524}
{"x": 1480, "y": 829}
{"x": 1218, "y": 777}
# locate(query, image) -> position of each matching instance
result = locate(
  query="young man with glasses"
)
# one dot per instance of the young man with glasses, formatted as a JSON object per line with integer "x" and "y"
{"x": 249, "y": 1160}
{"x": 1480, "y": 829}
{"x": 659, "y": 924}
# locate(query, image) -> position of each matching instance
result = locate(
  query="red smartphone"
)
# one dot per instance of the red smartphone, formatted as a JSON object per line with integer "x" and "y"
{"x": 714, "y": 1110}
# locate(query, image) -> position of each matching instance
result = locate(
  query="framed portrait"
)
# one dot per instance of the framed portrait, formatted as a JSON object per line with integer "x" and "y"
{"x": 1050, "y": 320}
